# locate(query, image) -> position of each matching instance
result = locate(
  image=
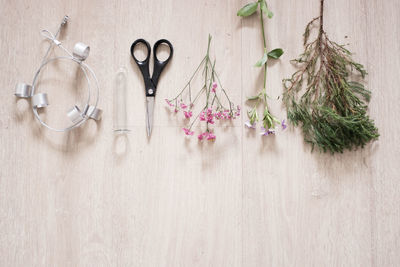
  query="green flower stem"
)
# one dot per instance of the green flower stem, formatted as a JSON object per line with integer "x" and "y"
{"x": 190, "y": 80}
{"x": 265, "y": 50}
{"x": 223, "y": 90}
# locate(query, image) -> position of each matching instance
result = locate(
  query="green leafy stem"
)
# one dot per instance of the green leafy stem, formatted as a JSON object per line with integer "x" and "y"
{"x": 269, "y": 121}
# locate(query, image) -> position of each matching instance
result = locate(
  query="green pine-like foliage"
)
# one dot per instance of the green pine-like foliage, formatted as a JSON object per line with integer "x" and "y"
{"x": 323, "y": 97}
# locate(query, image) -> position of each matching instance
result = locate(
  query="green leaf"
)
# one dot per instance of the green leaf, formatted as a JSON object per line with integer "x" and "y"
{"x": 262, "y": 61}
{"x": 265, "y": 9}
{"x": 276, "y": 53}
{"x": 270, "y": 14}
{"x": 253, "y": 97}
{"x": 248, "y": 9}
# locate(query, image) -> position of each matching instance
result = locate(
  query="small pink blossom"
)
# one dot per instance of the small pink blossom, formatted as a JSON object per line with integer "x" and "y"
{"x": 202, "y": 136}
{"x": 169, "y": 103}
{"x": 188, "y": 114}
{"x": 206, "y": 135}
{"x": 211, "y": 137}
{"x": 202, "y": 116}
{"x": 188, "y": 131}
{"x": 226, "y": 115}
{"x": 210, "y": 116}
{"x": 214, "y": 86}
{"x": 237, "y": 111}
{"x": 183, "y": 105}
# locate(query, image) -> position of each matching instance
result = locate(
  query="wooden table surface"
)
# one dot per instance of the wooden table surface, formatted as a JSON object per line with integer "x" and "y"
{"x": 90, "y": 198}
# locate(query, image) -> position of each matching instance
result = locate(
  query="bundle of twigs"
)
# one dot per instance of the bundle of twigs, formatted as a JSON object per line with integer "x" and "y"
{"x": 323, "y": 98}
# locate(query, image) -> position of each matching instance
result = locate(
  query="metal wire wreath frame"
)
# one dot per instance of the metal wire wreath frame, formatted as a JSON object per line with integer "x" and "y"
{"x": 39, "y": 100}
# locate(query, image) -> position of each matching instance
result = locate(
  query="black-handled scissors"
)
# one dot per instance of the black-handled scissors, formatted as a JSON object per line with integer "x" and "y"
{"x": 150, "y": 83}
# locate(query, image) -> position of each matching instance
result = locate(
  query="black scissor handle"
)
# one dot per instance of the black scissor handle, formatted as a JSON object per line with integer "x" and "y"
{"x": 141, "y": 41}
{"x": 158, "y": 64}
{"x": 144, "y": 67}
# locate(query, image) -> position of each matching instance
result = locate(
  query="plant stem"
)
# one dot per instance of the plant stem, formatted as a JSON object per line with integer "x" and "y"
{"x": 265, "y": 50}
{"x": 190, "y": 80}
{"x": 321, "y": 15}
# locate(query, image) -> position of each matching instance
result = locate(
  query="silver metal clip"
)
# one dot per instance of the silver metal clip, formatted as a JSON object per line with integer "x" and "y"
{"x": 23, "y": 90}
{"x": 93, "y": 113}
{"x": 75, "y": 114}
{"x": 81, "y": 51}
{"x": 40, "y": 100}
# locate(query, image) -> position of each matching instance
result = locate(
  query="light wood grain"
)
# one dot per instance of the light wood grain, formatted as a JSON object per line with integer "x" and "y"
{"x": 89, "y": 198}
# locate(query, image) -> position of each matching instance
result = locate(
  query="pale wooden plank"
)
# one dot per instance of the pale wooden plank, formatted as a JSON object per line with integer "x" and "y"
{"x": 303, "y": 209}
{"x": 383, "y": 64}
{"x": 80, "y": 203}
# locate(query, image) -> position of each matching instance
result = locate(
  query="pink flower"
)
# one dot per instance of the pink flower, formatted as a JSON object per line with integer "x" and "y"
{"x": 210, "y": 116}
{"x": 183, "y": 105}
{"x": 188, "y": 114}
{"x": 202, "y": 136}
{"x": 188, "y": 131}
{"x": 237, "y": 111}
{"x": 226, "y": 115}
{"x": 169, "y": 103}
{"x": 202, "y": 116}
{"x": 206, "y": 135}
{"x": 211, "y": 137}
{"x": 214, "y": 86}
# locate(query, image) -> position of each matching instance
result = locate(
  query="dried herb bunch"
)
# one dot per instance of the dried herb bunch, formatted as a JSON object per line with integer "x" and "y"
{"x": 322, "y": 97}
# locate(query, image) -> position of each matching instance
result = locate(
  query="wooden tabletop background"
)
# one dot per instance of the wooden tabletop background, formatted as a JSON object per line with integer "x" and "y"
{"x": 91, "y": 198}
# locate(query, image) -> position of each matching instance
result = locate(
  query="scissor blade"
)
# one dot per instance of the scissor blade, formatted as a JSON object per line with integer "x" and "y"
{"x": 149, "y": 112}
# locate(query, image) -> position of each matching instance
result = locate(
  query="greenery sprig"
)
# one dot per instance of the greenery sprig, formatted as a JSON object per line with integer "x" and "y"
{"x": 269, "y": 121}
{"x": 322, "y": 97}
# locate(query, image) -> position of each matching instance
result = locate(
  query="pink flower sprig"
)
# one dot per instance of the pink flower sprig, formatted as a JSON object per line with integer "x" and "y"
{"x": 206, "y": 136}
{"x": 216, "y": 107}
{"x": 188, "y": 131}
{"x": 188, "y": 114}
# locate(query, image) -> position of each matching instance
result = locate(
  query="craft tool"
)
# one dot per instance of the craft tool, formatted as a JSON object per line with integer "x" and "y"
{"x": 77, "y": 115}
{"x": 150, "y": 83}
